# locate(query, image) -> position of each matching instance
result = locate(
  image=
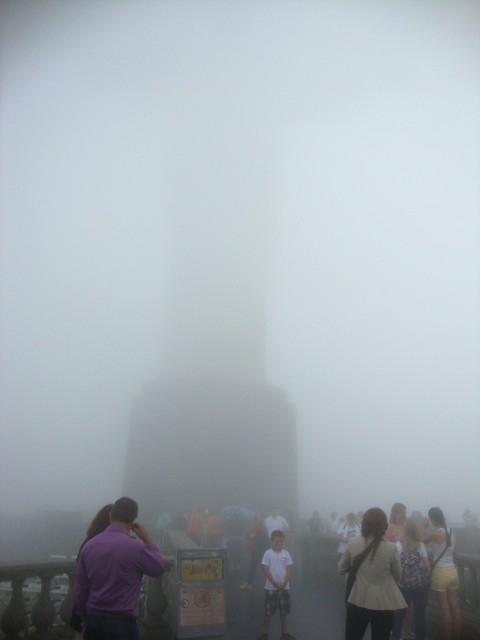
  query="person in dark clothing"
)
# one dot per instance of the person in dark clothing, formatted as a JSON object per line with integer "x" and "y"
{"x": 314, "y": 524}
{"x": 256, "y": 541}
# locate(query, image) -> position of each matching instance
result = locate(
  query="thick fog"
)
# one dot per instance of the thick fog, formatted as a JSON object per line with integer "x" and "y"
{"x": 359, "y": 246}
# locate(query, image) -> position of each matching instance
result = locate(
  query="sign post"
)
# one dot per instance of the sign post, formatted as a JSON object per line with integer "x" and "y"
{"x": 200, "y": 593}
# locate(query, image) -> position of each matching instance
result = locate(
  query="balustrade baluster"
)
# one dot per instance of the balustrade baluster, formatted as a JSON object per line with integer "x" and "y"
{"x": 462, "y": 579}
{"x": 66, "y": 607}
{"x": 14, "y": 619}
{"x": 155, "y": 623}
{"x": 473, "y": 586}
{"x": 43, "y": 612}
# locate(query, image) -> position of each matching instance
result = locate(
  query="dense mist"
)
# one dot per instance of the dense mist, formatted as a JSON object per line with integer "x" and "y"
{"x": 316, "y": 164}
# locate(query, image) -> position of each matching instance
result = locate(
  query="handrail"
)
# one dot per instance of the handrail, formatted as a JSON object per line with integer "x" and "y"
{"x": 16, "y": 618}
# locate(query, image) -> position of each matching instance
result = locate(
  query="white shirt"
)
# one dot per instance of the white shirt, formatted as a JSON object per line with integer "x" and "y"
{"x": 275, "y": 523}
{"x": 447, "y": 558}
{"x": 346, "y": 532}
{"x": 332, "y": 526}
{"x": 277, "y": 562}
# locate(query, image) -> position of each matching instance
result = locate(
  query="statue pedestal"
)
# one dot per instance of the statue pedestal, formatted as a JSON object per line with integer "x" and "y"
{"x": 210, "y": 445}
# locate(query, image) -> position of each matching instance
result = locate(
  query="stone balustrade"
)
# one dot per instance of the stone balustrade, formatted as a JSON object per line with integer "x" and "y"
{"x": 39, "y": 599}
{"x": 468, "y": 566}
{"x": 51, "y": 605}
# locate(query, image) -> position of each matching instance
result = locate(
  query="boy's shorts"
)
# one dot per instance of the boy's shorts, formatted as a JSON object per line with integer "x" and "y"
{"x": 280, "y": 597}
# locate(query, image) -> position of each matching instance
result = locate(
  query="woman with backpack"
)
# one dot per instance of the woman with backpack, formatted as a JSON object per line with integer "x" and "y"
{"x": 444, "y": 580}
{"x": 414, "y": 580}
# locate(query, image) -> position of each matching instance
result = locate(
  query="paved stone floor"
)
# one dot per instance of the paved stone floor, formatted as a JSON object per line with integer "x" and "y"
{"x": 318, "y": 611}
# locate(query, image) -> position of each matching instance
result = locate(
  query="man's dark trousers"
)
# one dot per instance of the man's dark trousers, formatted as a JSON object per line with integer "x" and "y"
{"x": 102, "y": 625}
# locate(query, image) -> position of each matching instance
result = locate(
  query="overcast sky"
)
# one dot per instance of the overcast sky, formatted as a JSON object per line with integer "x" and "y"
{"x": 363, "y": 119}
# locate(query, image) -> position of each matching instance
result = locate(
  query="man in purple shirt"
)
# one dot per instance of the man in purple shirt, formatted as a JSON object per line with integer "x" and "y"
{"x": 109, "y": 575}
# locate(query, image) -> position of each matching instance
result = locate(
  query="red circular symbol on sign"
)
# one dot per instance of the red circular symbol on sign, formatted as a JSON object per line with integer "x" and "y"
{"x": 202, "y": 598}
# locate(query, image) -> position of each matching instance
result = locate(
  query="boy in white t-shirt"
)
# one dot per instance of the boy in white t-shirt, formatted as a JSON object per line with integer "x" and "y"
{"x": 277, "y": 566}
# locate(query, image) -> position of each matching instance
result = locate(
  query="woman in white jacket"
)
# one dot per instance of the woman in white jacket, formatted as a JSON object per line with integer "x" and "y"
{"x": 375, "y": 595}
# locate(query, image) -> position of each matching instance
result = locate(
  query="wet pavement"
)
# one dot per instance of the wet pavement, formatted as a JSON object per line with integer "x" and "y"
{"x": 318, "y": 610}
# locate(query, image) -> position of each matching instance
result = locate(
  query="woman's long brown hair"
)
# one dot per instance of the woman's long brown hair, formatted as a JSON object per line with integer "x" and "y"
{"x": 374, "y": 525}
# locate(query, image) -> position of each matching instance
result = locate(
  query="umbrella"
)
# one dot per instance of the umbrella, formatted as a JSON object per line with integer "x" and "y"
{"x": 244, "y": 512}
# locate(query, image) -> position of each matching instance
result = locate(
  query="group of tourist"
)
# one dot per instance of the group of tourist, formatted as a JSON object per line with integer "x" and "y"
{"x": 386, "y": 561}
{"x": 389, "y": 571}
{"x": 118, "y": 551}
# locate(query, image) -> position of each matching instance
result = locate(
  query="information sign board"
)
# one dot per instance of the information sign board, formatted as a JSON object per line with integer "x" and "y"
{"x": 200, "y": 593}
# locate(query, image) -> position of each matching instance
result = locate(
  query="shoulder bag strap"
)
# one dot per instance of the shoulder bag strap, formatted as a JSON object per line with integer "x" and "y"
{"x": 352, "y": 574}
{"x": 447, "y": 544}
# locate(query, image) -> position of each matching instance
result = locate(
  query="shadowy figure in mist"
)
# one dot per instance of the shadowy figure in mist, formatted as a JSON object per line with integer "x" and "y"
{"x": 196, "y": 526}
{"x": 332, "y": 524}
{"x": 315, "y": 524}
{"x": 349, "y": 529}
{"x": 214, "y": 530}
{"x": 233, "y": 529}
{"x": 256, "y": 542}
{"x": 276, "y": 522}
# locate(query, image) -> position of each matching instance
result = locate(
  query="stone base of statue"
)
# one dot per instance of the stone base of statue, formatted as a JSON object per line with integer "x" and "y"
{"x": 212, "y": 444}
